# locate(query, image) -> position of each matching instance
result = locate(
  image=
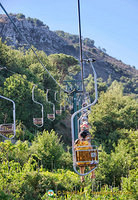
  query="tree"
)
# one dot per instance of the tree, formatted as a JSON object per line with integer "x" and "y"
{"x": 64, "y": 65}
{"x": 112, "y": 113}
{"x": 49, "y": 149}
{"x": 102, "y": 86}
{"x": 120, "y": 162}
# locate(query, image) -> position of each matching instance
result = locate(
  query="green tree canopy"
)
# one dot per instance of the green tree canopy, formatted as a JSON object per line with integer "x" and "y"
{"x": 49, "y": 149}
{"x": 112, "y": 113}
{"x": 64, "y": 65}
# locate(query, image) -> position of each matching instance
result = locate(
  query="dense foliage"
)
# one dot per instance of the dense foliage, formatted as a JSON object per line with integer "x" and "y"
{"x": 20, "y": 70}
{"x": 36, "y": 162}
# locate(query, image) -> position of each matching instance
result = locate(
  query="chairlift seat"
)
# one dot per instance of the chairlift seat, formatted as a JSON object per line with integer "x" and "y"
{"x": 86, "y": 155}
{"x": 58, "y": 112}
{"x": 51, "y": 116}
{"x": 38, "y": 121}
{"x": 6, "y": 129}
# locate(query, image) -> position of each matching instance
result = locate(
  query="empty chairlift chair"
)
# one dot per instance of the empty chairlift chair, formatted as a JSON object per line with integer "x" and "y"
{"x": 38, "y": 121}
{"x": 50, "y": 116}
{"x": 8, "y": 131}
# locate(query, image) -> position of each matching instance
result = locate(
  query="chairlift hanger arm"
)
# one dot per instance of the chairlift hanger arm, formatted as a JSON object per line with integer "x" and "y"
{"x": 74, "y": 167}
{"x": 33, "y": 97}
{"x": 52, "y": 105}
{"x": 55, "y": 95}
{"x": 42, "y": 108}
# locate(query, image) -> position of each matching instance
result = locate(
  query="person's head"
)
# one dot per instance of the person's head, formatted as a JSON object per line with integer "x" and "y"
{"x": 84, "y": 118}
{"x": 84, "y": 104}
{"x": 84, "y": 134}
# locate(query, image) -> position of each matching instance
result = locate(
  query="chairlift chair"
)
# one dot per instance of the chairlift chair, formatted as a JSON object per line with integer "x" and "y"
{"x": 80, "y": 121}
{"x": 85, "y": 112}
{"x": 84, "y": 154}
{"x": 9, "y": 129}
{"x": 50, "y": 116}
{"x": 84, "y": 126}
{"x": 38, "y": 121}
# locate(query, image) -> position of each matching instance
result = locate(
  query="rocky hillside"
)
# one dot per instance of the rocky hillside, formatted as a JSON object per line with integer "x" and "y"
{"x": 40, "y": 36}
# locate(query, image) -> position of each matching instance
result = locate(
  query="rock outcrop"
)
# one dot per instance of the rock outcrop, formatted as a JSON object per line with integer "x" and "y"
{"x": 40, "y": 36}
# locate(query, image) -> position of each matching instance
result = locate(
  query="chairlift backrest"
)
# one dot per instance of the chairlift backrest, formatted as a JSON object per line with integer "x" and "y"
{"x": 58, "y": 112}
{"x": 51, "y": 116}
{"x": 38, "y": 121}
{"x": 86, "y": 154}
{"x": 8, "y": 129}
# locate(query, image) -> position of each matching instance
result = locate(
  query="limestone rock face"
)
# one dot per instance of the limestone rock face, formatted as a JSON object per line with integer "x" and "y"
{"x": 37, "y": 35}
{"x": 51, "y": 42}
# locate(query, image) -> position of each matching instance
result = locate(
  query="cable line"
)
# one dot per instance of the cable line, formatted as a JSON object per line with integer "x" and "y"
{"x": 31, "y": 48}
{"x": 80, "y": 41}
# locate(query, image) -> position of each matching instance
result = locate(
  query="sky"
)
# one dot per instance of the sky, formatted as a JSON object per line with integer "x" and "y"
{"x": 112, "y": 24}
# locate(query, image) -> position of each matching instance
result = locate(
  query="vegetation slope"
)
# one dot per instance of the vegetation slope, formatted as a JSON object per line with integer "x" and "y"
{"x": 39, "y": 160}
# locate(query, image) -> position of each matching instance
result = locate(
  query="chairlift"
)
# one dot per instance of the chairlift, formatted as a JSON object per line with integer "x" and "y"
{"x": 38, "y": 121}
{"x": 83, "y": 123}
{"x": 83, "y": 153}
{"x": 50, "y": 116}
{"x": 84, "y": 126}
{"x": 9, "y": 129}
{"x": 85, "y": 112}
{"x": 86, "y": 155}
{"x": 58, "y": 112}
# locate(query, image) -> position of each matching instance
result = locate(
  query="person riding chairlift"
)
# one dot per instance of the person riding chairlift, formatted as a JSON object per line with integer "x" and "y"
{"x": 84, "y": 126}
{"x": 84, "y": 139}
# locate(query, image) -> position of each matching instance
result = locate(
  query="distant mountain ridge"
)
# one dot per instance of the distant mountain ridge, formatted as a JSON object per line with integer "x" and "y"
{"x": 52, "y": 42}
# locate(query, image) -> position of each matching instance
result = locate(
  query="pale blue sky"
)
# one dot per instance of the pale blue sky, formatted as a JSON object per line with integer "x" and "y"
{"x": 112, "y": 24}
